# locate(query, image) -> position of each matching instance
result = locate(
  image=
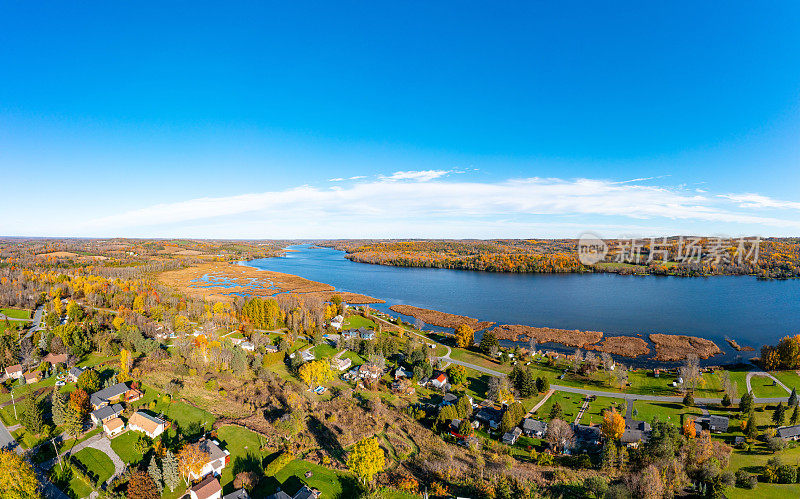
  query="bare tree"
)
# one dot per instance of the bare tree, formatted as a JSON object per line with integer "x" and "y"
{"x": 577, "y": 359}
{"x": 608, "y": 361}
{"x": 418, "y": 324}
{"x": 690, "y": 371}
{"x": 559, "y": 435}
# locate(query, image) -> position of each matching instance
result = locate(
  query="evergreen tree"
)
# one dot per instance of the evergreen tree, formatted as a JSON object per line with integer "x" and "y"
{"x": 170, "y": 473}
{"x": 779, "y": 416}
{"x": 793, "y": 419}
{"x": 155, "y": 473}
{"x": 746, "y": 403}
{"x": 726, "y": 400}
{"x": 556, "y": 412}
{"x": 32, "y": 416}
{"x": 688, "y": 399}
{"x": 752, "y": 427}
{"x": 793, "y": 398}
{"x": 542, "y": 385}
{"x": 609, "y": 455}
{"x": 464, "y": 407}
{"x": 59, "y": 407}
{"x": 488, "y": 341}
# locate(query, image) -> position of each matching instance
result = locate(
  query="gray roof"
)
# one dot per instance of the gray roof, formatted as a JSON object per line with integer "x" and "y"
{"x": 107, "y": 411}
{"x": 213, "y": 450}
{"x": 107, "y": 393}
{"x": 304, "y": 493}
{"x": 489, "y": 414}
{"x": 719, "y": 421}
{"x": 76, "y": 371}
{"x": 534, "y": 425}
{"x": 449, "y": 398}
{"x": 788, "y": 431}
{"x": 237, "y": 494}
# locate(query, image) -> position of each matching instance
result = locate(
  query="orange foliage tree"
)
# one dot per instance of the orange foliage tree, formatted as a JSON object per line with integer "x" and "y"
{"x": 613, "y": 425}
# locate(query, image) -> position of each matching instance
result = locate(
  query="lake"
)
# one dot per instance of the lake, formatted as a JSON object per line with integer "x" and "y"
{"x": 753, "y": 312}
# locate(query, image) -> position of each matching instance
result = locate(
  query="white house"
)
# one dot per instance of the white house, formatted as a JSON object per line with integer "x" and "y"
{"x": 439, "y": 381}
{"x": 113, "y": 427}
{"x": 147, "y": 424}
{"x": 14, "y": 371}
{"x": 216, "y": 461}
{"x": 337, "y": 321}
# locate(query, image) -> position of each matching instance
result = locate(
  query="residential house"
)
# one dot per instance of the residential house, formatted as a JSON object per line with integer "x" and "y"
{"x": 237, "y": 341}
{"x": 439, "y": 381}
{"x": 307, "y": 355}
{"x": 350, "y": 334}
{"x": 207, "y": 489}
{"x": 337, "y": 321}
{"x": 489, "y": 416}
{"x": 635, "y": 432}
{"x": 246, "y": 345}
{"x": 586, "y": 435}
{"x": 14, "y": 371}
{"x": 147, "y": 424}
{"x": 74, "y": 373}
{"x": 370, "y": 371}
{"x": 788, "y": 432}
{"x": 113, "y": 394}
{"x": 448, "y": 399}
{"x": 713, "y": 423}
{"x": 105, "y": 413}
{"x": 113, "y": 427}
{"x": 32, "y": 376}
{"x": 215, "y": 462}
{"x": 400, "y": 372}
{"x": 271, "y": 348}
{"x": 366, "y": 334}
{"x": 304, "y": 493}
{"x": 534, "y": 428}
{"x": 510, "y": 437}
{"x": 341, "y": 363}
{"x": 403, "y": 386}
{"x": 53, "y": 358}
{"x": 237, "y": 494}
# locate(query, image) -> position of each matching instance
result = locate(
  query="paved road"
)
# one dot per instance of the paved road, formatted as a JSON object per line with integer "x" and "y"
{"x": 7, "y": 441}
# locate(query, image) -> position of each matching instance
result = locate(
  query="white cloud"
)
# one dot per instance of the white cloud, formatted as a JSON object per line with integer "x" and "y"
{"x": 339, "y": 179}
{"x": 419, "y": 176}
{"x": 751, "y": 200}
{"x": 407, "y": 207}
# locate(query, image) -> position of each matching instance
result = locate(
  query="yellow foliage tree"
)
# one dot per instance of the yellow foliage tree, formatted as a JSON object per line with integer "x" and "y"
{"x": 465, "y": 336}
{"x": 191, "y": 459}
{"x": 366, "y": 459}
{"x": 118, "y": 322}
{"x": 17, "y": 479}
{"x": 315, "y": 372}
{"x": 613, "y": 425}
{"x": 690, "y": 430}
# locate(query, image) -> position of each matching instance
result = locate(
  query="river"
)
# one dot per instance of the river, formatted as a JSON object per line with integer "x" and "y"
{"x": 753, "y": 312}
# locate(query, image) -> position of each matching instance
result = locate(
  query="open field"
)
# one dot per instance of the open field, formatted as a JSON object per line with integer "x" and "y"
{"x": 96, "y": 462}
{"x": 16, "y": 313}
{"x": 594, "y": 413}
{"x": 764, "y": 386}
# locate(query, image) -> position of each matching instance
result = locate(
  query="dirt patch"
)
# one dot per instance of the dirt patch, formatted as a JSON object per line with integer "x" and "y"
{"x": 568, "y": 337}
{"x": 626, "y": 346}
{"x": 672, "y": 347}
{"x": 441, "y": 319}
{"x": 58, "y": 254}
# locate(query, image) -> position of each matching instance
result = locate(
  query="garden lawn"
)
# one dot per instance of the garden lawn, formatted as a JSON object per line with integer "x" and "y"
{"x": 123, "y": 445}
{"x": 356, "y": 321}
{"x": 78, "y": 488}
{"x": 764, "y": 491}
{"x": 764, "y": 386}
{"x": 789, "y": 378}
{"x": 96, "y": 462}
{"x": 176, "y": 411}
{"x": 594, "y": 413}
{"x": 665, "y": 411}
{"x": 328, "y": 481}
{"x": 240, "y": 442}
{"x": 570, "y": 404}
{"x": 16, "y": 313}
{"x": 324, "y": 350}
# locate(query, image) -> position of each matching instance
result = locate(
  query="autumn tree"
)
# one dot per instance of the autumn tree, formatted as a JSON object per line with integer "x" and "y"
{"x": 142, "y": 486}
{"x": 689, "y": 428}
{"x": 457, "y": 374}
{"x": 315, "y": 372}
{"x": 79, "y": 402}
{"x": 17, "y": 478}
{"x": 559, "y": 435}
{"x": 191, "y": 459}
{"x": 89, "y": 381}
{"x": 366, "y": 459}
{"x": 465, "y": 336}
{"x": 613, "y": 425}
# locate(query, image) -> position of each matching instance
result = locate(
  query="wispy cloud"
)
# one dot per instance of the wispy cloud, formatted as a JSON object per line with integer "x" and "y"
{"x": 406, "y": 205}
{"x": 418, "y": 176}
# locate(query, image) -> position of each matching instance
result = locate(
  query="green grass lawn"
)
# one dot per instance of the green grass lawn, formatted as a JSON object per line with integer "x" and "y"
{"x": 123, "y": 445}
{"x": 324, "y": 350}
{"x": 666, "y": 411}
{"x": 789, "y": 378}
{"x": 290, "y": 478}
{"x": 78, "y": 488}
{"x": 356, "y": 321}
{"x": 764, "y": 387}
{"x": 179, "y": 412}
{"x": 241, "y": 443}
{"x": 570, "y": 404}
{"x": 764, "y": 491}
{"x": 594, "y": 413}
{"x": 16, "y": 313}
{"x": 97, "y": 462}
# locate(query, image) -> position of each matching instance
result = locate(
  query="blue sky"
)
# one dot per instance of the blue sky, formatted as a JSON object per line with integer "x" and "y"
{"x": 453, "y": 119}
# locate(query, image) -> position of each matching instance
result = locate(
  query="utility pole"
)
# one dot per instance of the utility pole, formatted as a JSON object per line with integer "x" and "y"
{"x": 14, "y": 403}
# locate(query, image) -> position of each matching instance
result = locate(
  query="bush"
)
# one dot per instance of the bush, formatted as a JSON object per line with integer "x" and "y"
{"x": 182, "y": 369}
{"x": 279, "y": 463}
{"x": 596, "y": 485}
{"x": 787, "y": 474}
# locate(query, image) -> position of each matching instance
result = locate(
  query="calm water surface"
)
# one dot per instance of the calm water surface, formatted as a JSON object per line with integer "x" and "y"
{"x": 751, "y": 311}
